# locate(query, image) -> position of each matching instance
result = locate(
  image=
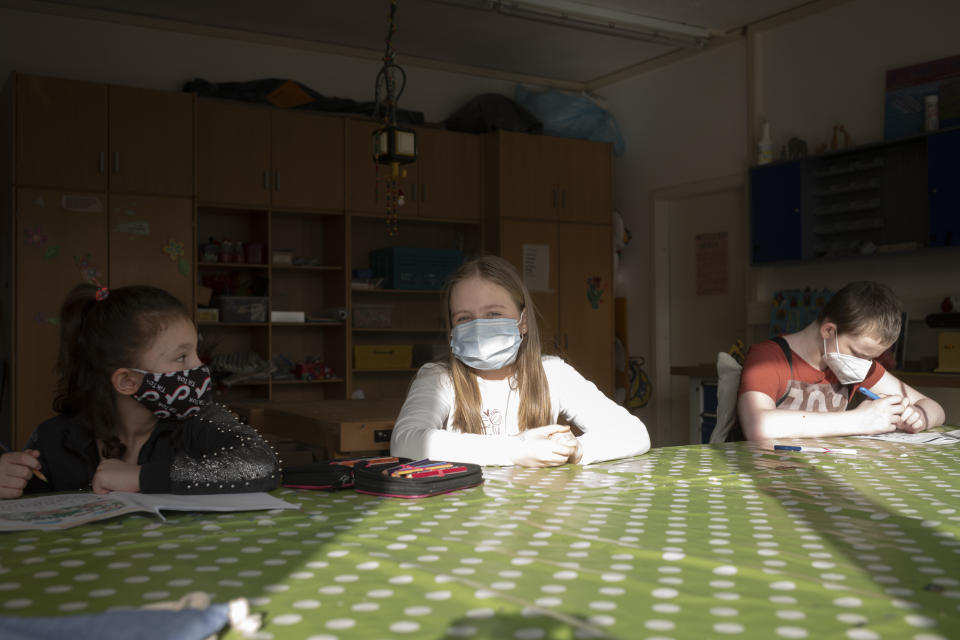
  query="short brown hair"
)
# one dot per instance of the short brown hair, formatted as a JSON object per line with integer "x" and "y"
{"x": 865, "y": 308}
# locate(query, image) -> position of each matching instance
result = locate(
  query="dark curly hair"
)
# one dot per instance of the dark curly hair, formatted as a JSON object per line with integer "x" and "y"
{"x": 97, "y": 337}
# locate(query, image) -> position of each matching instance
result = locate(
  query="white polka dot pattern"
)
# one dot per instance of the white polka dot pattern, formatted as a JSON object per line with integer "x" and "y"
{"x": 684, "y": 542}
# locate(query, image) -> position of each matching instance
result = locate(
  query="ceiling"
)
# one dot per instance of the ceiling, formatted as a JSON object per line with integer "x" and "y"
{"x": 472, "y": 35}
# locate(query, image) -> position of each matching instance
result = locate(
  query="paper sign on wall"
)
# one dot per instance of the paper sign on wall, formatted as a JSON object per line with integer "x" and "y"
{"x": 536, "y": 267}
{"x": 711, "y": 252}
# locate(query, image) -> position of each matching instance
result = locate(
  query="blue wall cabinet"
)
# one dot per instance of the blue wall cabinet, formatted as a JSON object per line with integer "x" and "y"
{"x": 776, "y": 196}
{"x": 943, "y": 167}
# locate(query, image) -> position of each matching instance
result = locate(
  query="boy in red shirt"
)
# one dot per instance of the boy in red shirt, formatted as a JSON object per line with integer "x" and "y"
{"x": 799, "y": 385}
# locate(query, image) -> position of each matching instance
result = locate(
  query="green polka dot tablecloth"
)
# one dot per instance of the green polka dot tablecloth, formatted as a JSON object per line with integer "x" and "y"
{"x": 728, "y": 541}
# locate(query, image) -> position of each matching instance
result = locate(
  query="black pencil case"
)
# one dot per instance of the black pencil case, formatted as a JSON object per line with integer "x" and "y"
{"x": 373, "y": 479}
{"x": 327, "y": 474}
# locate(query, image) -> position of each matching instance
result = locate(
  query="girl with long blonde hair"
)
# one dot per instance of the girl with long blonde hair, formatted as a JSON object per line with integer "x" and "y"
{"x": 496, "y": 400}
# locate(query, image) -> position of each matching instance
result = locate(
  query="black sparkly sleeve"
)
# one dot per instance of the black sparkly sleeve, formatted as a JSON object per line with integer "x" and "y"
{"x": 217, "y": 453}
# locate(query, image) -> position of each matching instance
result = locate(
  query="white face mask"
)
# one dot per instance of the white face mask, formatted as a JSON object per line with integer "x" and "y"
{"x": 487, "y": 343}
{"x": 848, "y": 369}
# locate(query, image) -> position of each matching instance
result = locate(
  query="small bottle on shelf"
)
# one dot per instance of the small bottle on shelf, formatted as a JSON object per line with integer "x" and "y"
{"x": 226, "y": 251}
{"x": 765, "y": 146}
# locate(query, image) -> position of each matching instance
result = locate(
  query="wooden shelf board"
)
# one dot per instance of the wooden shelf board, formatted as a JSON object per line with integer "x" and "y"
{"x": 238, "y": 208}
{"x": 398, "y": 291}
{"x": 410, "y": 370}
{"x": 300, "y": 382}
{"x": 229, "y": 265}
{"x": 396, "y": 330}
{"x": 294, "y": 267}
{"x": 308, "y": 324}
{"x": 234, "y": 324}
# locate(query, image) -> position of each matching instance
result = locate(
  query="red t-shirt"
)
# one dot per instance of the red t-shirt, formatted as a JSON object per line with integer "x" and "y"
{"x": 806, "y": 389}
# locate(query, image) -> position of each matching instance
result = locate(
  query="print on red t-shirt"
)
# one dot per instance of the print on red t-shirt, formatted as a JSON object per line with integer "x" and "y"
{"x": 805, "y": 388}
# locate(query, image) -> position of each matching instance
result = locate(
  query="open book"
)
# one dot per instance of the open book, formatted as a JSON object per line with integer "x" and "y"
{"x": 62, "y": 511}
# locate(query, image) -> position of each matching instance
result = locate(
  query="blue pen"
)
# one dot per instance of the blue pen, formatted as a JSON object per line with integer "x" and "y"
{"x": 868, "y": 393}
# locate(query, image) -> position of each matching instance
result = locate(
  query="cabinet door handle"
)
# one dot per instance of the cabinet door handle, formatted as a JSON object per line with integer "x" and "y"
{"x": 276, "y": 180}
{"x": 103, "y": 161}
{"x": 413, "y": 192}
{"x": 116, "y": 162}
{"x": 423, "y": 192}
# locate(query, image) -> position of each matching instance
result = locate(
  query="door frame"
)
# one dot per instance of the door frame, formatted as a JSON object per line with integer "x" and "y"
{"x": 660, "y": 202}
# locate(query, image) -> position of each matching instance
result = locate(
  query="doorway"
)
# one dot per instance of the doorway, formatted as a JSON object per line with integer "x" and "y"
{"x": 700, "y": 270}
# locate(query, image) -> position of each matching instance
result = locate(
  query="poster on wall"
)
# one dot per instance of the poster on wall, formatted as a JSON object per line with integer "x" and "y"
{"x": 711, "y": 268}
{"x": 536, "y": 267}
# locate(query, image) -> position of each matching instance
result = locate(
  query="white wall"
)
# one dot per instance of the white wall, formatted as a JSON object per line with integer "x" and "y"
{"x": 687, "y": 122}
{"x": 682, "y": 123}
{"x": 144, "y": 57}
{"x": 830, "y": 68}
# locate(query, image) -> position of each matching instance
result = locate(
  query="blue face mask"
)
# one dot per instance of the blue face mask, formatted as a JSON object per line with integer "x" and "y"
{"x": 487, "y": 343}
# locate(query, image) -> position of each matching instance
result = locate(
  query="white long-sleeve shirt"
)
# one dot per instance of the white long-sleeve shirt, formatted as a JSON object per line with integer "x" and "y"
{"x": 424, "y": 427}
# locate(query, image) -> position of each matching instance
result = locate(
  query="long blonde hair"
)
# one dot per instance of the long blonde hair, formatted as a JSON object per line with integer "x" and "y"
{"x": 531, "y": 381}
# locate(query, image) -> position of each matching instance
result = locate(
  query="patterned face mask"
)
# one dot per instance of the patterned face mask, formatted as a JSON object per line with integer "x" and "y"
{"x": 176, "y": 395}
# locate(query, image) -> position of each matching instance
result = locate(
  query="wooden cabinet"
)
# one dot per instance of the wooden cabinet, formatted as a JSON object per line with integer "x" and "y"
{"x": 444, "y": 183}
{"x": 576, "y": 305}
{"x": 412, "y": 318}
{"x": 61, "y": 239}
{"x": 314, "y": 283}
{"x": 151, "y": 241}
{"x": 151, "y": 141}
{"x": 584, "y": 181}
{"x": 548, "y": 213}
{"x": 537, "y": 240}
{"x": 61, "y": 133}
{"x": 233, "y": 153}
{"x": 95, "y": 167}
{"x": 526, "y": 178}
{"x": 548, "y": 178}
{"x": 256, "y": 156}
{"x": 109, "y": 184}
{"x": 307, "y": 160}
{"x": 448, "y": 175}
{"x": 586, "y": 301}
{"x": 84, "y": 135}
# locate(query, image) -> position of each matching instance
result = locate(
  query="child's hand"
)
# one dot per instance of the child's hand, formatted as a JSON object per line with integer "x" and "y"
{"x": 570, "y": 439}
{"x": 116, "y": 475}
{"x": 912, "y": 420}
{"x": 16, "y": 468}
{"x": 544, "y": 446}
{"x": 882, "y": 415}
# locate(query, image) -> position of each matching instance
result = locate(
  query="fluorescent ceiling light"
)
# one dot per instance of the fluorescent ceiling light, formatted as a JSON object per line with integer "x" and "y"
{"x": 607, "y": 17}
{"x": 589, "y": 17}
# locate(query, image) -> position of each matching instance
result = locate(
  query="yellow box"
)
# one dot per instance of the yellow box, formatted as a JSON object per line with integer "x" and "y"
{"x": 208, "y": 315}
{"x": 949, "y": 352}
{"x": 382, "y": 356}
